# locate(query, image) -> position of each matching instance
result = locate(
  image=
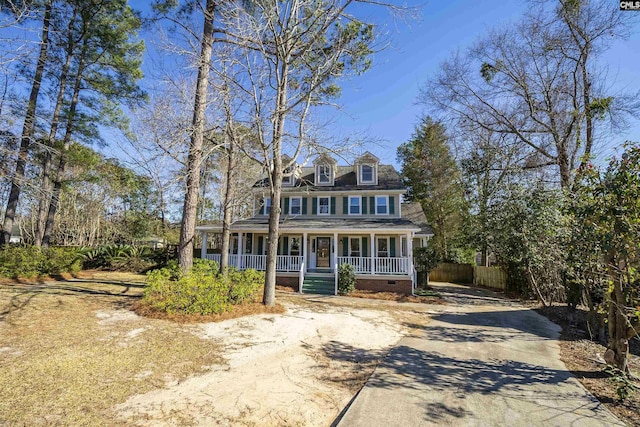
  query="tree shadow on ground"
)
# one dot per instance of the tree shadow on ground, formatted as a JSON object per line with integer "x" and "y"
{"x": 410, "y": 368}
{"x": 120, "y": 297}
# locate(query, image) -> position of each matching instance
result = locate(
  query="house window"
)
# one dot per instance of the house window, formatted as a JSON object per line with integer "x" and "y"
{"x": 267, "y": 205}
{"x": 294, "y": 246}
{"x": 382, "y": 205}
{"x": 366, "y": 173}
{"x": 383, "y": 247}
{"x": 354, "y": 246}
{"x": 324, "y": 174}
{"x": 354, "y": 205}
{"x": 248, "y": 244}
{"x": 295, "y": 206}
{"x": 323, "y": 206}
{"x": 288, "y": 176}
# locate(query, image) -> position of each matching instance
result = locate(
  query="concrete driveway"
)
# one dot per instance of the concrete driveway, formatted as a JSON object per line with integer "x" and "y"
{"x": 484, "y": 361}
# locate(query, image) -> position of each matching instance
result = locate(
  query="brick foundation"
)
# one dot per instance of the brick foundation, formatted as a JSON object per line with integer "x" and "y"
{"x": 291, "y": 282}
{"x": 382, "y": 285}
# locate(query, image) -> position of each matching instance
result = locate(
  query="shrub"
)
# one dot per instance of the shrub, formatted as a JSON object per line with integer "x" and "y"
{"x": 202, "y": 291}
{"x": 119, "y": 258}
{"x": 32, "y": 261}
{"x": 346, "y": 279}
{"x": 62, "y": 260}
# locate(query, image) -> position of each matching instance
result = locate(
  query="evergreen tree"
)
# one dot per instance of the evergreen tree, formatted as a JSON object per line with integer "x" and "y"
{"x": 432, "y": 178}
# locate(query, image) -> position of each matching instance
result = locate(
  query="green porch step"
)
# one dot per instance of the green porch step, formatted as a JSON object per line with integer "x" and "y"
{"x": 318, "y": 284}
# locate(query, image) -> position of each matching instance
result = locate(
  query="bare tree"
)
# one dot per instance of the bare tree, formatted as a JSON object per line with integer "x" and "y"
{"x": 291, "y": 55}
{"x": 534, "y": 81}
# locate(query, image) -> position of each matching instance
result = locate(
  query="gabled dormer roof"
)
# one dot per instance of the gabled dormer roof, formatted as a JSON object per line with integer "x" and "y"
{"x": 367, "y": 157}
{"x": 325, "y": 159}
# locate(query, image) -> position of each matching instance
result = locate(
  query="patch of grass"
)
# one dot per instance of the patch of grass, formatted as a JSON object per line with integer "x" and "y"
{"x": 70, "y": 353}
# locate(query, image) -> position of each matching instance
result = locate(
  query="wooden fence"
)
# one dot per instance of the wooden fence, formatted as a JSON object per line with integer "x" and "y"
{"x": 490, "y": 277}
{"x": 454, "y": 273}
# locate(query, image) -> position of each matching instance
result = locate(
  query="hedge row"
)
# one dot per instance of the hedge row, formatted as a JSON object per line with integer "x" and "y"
{"x": 31, "y": 261}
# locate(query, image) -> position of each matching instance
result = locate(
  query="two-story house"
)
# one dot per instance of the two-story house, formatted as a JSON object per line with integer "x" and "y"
{"x": 332, "y": 215}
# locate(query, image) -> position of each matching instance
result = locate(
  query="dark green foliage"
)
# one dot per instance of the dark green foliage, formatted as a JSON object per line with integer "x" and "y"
{"x": 346, "y": 279}
{"x": 202, "y": 290}
{"x": 604, "y": 213}
{"x": 528, "y": 234}
{"x": 433, "y": 179}
{"x": 121, "y": 257}
{"x": 31, "y": 261}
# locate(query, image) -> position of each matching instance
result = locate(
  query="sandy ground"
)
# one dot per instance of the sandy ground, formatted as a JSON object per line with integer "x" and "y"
{"x": 300, "y": 368}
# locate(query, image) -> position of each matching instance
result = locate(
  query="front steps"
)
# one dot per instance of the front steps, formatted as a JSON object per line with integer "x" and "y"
{"x": 318, "y": 283}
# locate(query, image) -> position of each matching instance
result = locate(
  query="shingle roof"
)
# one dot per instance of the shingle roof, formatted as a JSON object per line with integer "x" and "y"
{"x": 345, "y": 179}
{"x": 413, "y": 212}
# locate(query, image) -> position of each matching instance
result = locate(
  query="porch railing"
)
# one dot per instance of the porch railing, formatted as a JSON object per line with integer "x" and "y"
{"x": 286, "y": 263}
{"x": 381, "y": 265}
{"x": 361, "y": 264}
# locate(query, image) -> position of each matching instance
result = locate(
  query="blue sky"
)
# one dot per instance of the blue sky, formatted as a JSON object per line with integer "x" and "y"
{"x": 383, "y": 100}
{"x": 381, "y": 103}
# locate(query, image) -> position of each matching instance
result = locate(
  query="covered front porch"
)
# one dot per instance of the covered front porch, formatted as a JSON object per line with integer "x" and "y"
{"x": 371, "y": 254}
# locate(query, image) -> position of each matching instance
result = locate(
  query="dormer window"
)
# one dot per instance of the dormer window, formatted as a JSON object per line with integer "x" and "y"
{"x": 324, "y": 174}
{"x": 286, "y": 179}
{"x": 325, "y": 170}
{"x": 366, "y": 168}
{"x": 366, "y": 174}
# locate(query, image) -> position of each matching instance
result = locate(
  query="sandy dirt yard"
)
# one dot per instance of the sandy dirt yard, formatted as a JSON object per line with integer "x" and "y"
{"x": 75, "y": 354}
{"x": 299, "y": 368}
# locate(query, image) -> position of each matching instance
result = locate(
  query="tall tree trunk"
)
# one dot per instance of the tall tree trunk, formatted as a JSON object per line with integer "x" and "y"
{"x": 269, "y": 296}
{"x": 27, "y": 130}
{"x": 194, "y": 160}
{"x": 228, "y": 198}
{"x": 46, "y": 188}
{"x": 57, "y": 185}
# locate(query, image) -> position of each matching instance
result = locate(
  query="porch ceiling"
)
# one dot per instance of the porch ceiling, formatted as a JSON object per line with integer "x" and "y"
{"x": 289, "y": 223}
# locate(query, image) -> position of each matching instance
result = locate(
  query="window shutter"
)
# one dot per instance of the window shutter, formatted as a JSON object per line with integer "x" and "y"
{"x": 392, "y": 205}
{"x": 392, "y": 246}
{"x": 261, "y": 206}
{"x": 333, "y": 205}
{"x": 364, "y": 205}
{"x": 345, "y": 205}
{"x": 345, "y": 246}
{"x": 285, "y": 245}
{"x": 286, "y": 206}
{"x": 304, "y": 206}
{"x": 314, "y": 205}
{"x": 372, "y": 207}
{"x": 364, "y": 247}
{"x": 260, "y": 244}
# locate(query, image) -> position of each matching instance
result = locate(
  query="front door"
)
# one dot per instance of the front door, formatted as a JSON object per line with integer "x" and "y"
{"x": 323, "y": 252}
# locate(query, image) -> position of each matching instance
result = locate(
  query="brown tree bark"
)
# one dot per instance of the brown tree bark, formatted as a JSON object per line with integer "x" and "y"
{"x": 57, "y": 184}
{"x": 47, "y": 187}
{"x": 194, "y": 159}
{"x": 269, "y": 296}
{"x": 28, "y": 129}
{"x": 228, "y": 198}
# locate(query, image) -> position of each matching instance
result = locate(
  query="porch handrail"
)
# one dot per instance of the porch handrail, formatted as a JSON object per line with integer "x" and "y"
{"x": 335, "y": 272}
{"x": 301, "y": 277}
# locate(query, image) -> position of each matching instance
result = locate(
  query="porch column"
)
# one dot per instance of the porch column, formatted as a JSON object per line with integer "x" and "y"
{"x": 305, "y": 258}
{"x": 372, "y": 245}
{"x": 410, "y": 252}
{"x": 203, "y": 249}
{"x": 335, "y": 250}
{"x": 240, "y": 250}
